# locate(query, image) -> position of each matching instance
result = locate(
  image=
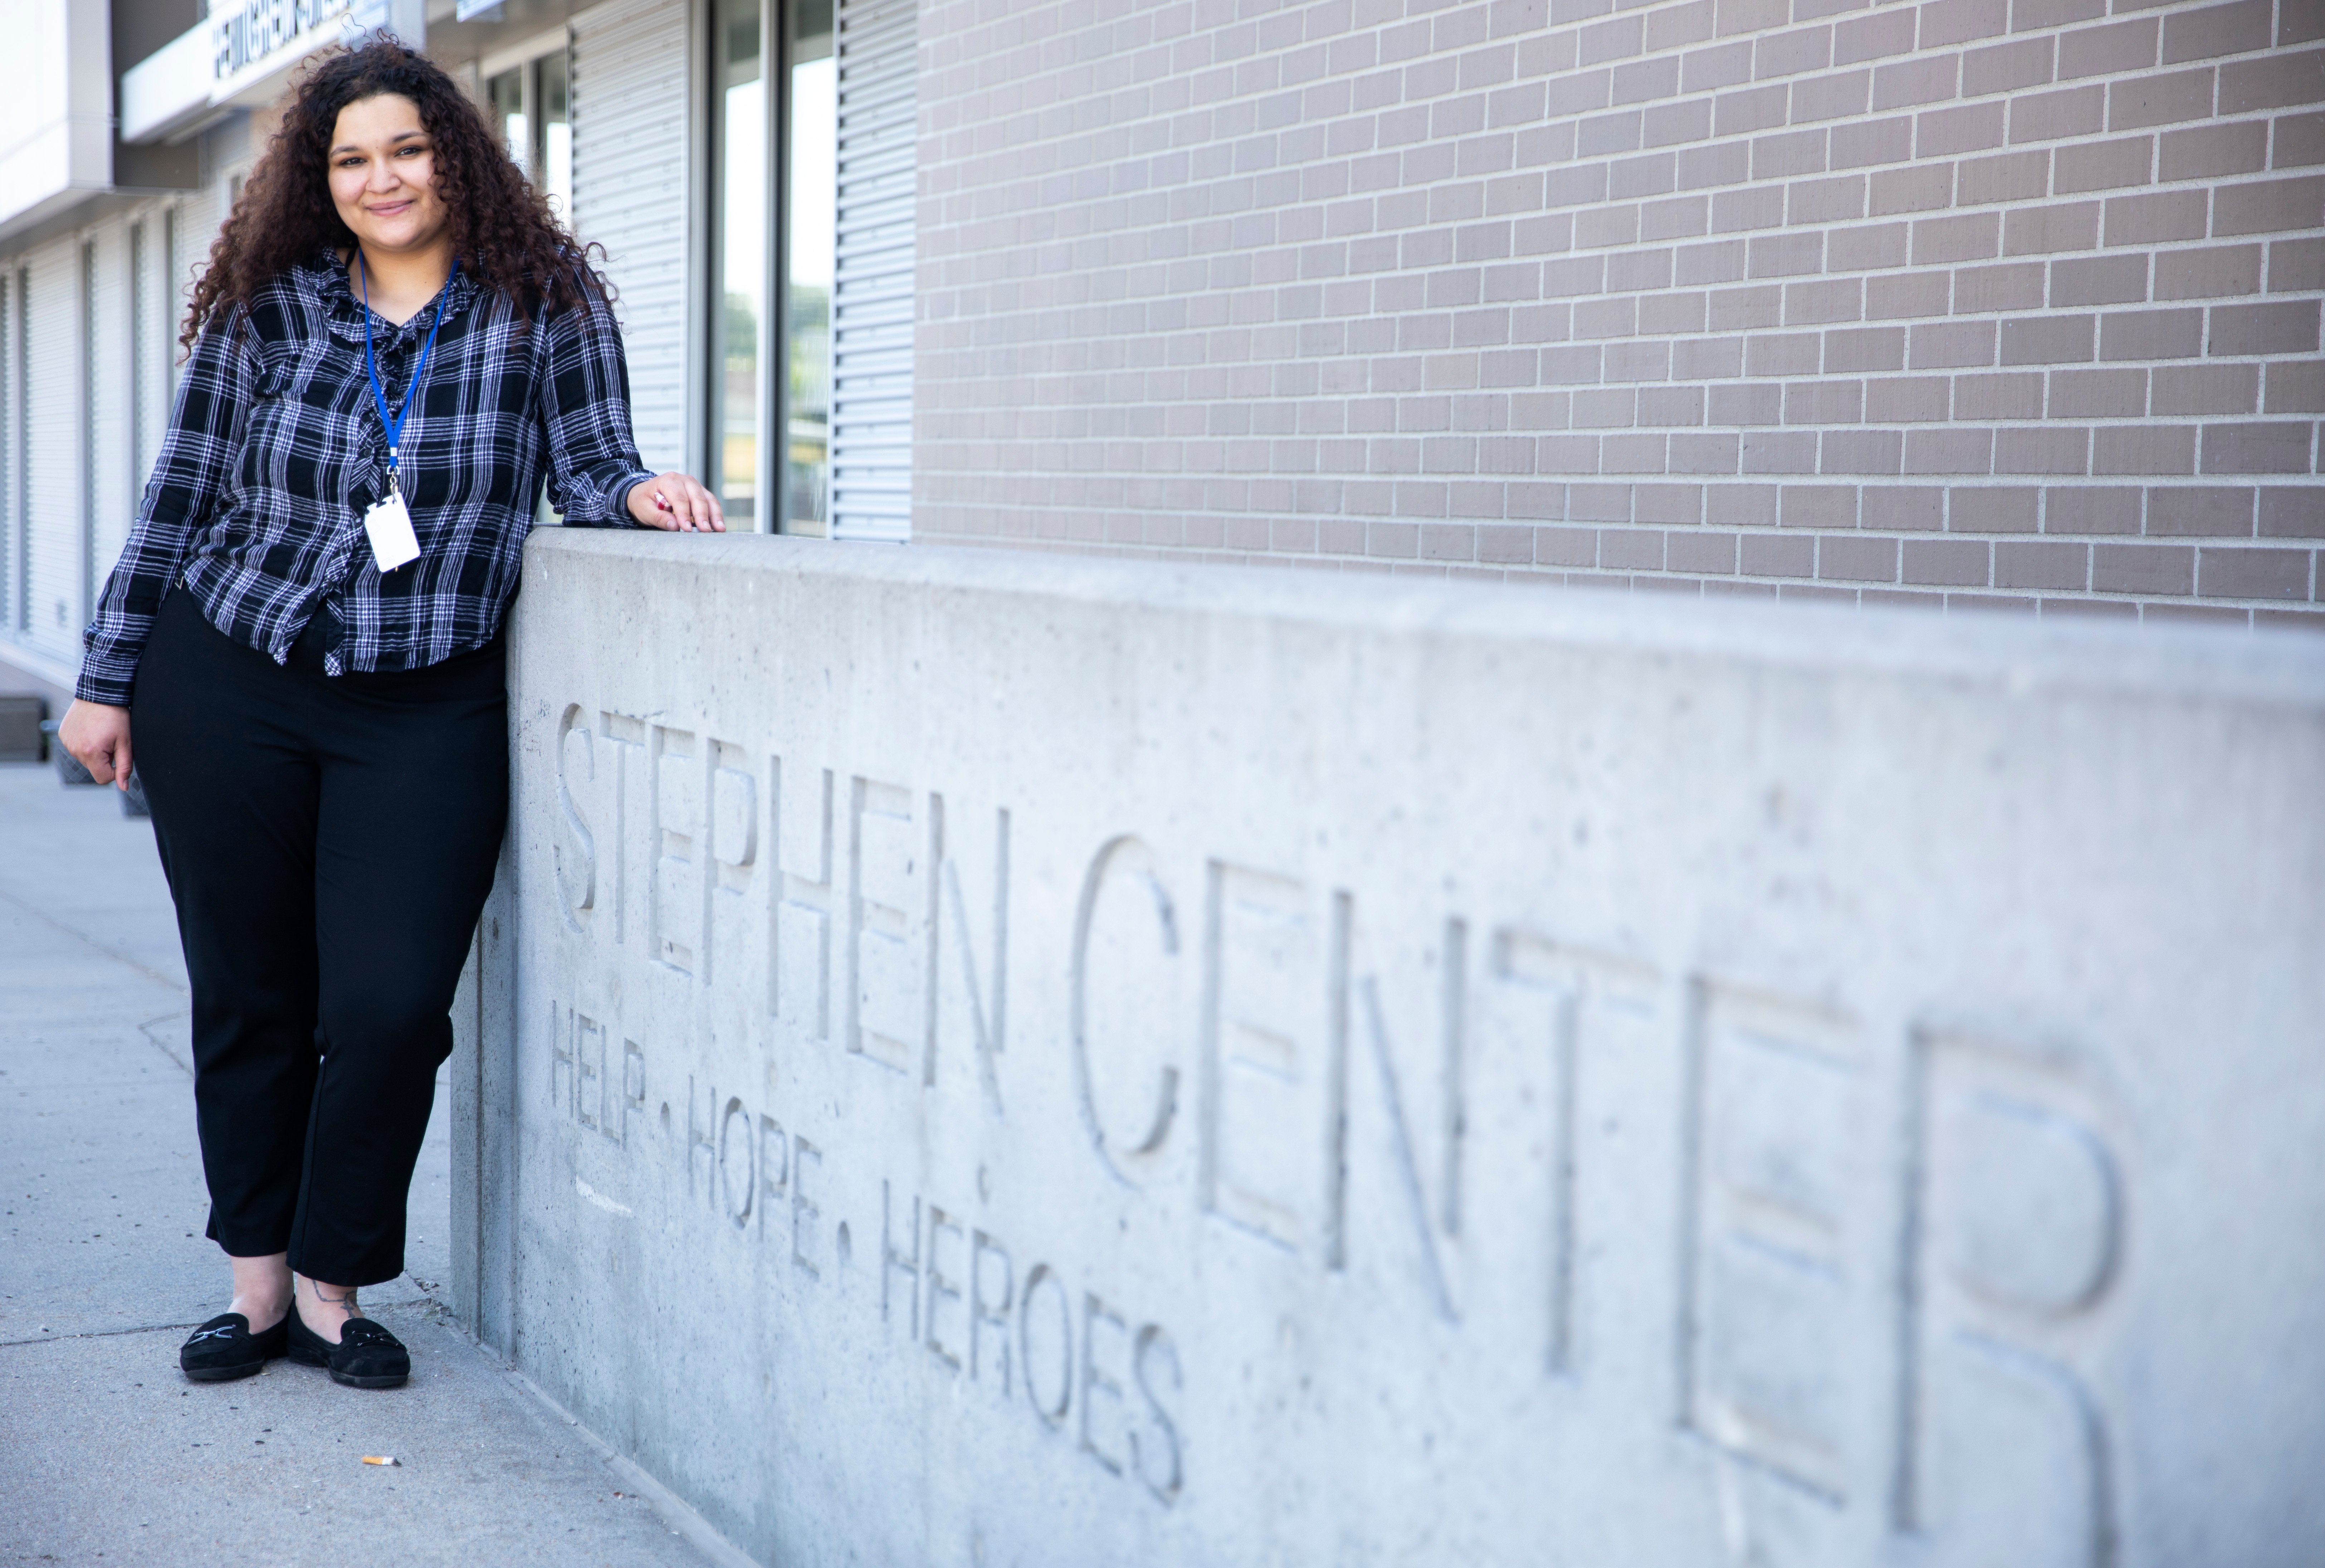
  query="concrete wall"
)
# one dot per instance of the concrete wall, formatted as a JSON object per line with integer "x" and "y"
{"x": 997, "y": 1059}
{"x": 1955, "y": 301}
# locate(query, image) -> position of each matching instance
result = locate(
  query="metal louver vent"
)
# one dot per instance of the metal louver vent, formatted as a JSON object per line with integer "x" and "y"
{"x": 872, "y": 304}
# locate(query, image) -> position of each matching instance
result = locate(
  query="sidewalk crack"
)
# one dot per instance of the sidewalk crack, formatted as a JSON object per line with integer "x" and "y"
{"x": 82, "y": 936}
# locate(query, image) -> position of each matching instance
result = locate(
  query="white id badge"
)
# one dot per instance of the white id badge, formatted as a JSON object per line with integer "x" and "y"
{"x": 388, "y": 525}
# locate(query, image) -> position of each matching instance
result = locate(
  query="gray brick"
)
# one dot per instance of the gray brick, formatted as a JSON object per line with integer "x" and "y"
{"x": 2221, "y": 270}
{"x": 2048, "y": 339}
{"x": 1630, "y": 549}
{"x": 1950, "y": 450}
{"x": 2152, "y": 219}
{"x": 2159, "y": 100}
{"x": 2013, "y": 395}
{"x": 2295, "y": 265}
{"x": 1864, "y": 248}
{"x": 2143, "y": 449}
{"x": 1819, "y": 506}
{"x": 1700, "y": 552}
{"x": 2299, "y": 140}
{"x": 2100, "y": 281}
{"x": 1957, "y": 563}
{"x": 2257, "y": 449}
{"x": 2086, "y": 610}
{"x": 1908, "y": 399}
{"x": 2276, "y": 327}
{"x": 1895, "y": 507}
{"x": 2049, "y": 116}
{"x": 2206, "y": 151}
{"x": 2143, "y": 568}
{"x": 2273, "y": 82}
{"x": 2009, "y": 177}
{"x": 2206, "y": 389}
{"x": 1741, "y": 505}
{"x": 2255, "y": 572}
{"x": 2104, "y": 51}
{"x": 2085, "y": 394}
{"x": 1994, "y": 510}
{"x": 2295, "y": 386}
{"x": 2292, "y": 511}
{"x": 2011, "y": 286}
{"x": 1948, "y": 22}
{"x": 2193, "y": 615}
{"x": 2112, "y": 510}
{"x": 1855, "y": 558}
{"x": 2217, "y": 30}
{"x": 2049, "y": 448}
{"x": 2008, "y": 66}
{"x": 2150, "y": 334}
{"x": 1777, "y": 555}
{"x": 1861, "y": 452}
{"x": 2063, "y": 226}
{"x": 1566, "y": 547}
{"x": 1963, "y": 237}
{"x": 1969, "y": 128}
{"x": 1667, "y": 503}
{"x": 1864, "y": 348}
{"x": 1925, "y": 187}
{"x": 2205, "y": 511}
{"x": 2102, "y": 165}
{"x": 2269, "y": 206}
{"x": 1924, "y": 80}
{"x": 2038, "y": 564}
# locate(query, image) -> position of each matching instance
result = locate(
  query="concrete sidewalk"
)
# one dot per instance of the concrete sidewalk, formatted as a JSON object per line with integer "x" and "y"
{"x": 107, "y": 1453}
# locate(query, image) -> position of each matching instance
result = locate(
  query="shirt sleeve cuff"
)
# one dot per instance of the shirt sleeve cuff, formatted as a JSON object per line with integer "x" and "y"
{"x": 103, "y": 687}
{"x": 621, "y": 518}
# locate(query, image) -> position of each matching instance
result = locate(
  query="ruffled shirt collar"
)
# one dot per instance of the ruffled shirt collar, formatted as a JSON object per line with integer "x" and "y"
{"x": 326, "y": 276}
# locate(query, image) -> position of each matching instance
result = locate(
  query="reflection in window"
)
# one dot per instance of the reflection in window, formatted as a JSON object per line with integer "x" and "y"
{"x": 553, "y": 110}
{"x": 529, "y": 106}
{"x": 812, "y": 205}
{"x": 741, "y": 249}
{"x": 505, "y": 92}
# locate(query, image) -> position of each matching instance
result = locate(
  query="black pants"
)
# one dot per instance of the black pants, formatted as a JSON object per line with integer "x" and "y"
{"x": 330, "y": 843}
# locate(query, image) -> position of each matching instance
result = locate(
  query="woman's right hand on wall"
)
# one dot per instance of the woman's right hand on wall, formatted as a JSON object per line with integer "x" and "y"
{"x": 97, "y": 735}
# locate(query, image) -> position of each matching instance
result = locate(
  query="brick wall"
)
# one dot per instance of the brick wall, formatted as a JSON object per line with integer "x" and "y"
{"x": 1997, "y": 303}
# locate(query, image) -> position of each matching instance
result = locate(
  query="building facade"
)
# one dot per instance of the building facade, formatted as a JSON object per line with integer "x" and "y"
{"x": 1995, "y": 303}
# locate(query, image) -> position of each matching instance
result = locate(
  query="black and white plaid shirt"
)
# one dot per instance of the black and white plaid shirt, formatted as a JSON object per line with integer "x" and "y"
{"x": 255, "y": 505}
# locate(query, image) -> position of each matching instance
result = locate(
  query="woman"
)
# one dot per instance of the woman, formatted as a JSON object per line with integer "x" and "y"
{"x": 395, "y": 342}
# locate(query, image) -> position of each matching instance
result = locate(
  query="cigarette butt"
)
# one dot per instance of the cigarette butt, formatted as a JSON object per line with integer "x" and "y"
{"x": 379, "y": 1458}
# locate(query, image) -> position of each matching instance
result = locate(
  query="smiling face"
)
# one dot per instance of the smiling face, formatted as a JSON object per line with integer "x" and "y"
{"x": 383, "y": 165}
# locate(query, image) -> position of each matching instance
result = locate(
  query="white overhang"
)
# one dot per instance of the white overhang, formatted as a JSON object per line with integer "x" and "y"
{"x": 240, "y": 58}
{"x": 56, "y": 123}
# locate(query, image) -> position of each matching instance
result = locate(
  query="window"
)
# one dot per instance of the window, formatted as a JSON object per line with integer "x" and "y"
{"x": 10, "y": 514}
{"x": 88, "y": 383}
{"x": 530, "y": 104}
{"x": 811, "y": 169}
{"x": 141, "y": 418}
{"x": 739, "y": 247}
{"x": 20, "y": 370}
{"x": 811, "y": 144}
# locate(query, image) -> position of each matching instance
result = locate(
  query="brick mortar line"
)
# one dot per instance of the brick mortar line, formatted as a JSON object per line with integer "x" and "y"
{"x": 1402, "y": 67}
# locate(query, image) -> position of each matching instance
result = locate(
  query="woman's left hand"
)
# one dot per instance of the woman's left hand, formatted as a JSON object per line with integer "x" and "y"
{"x": 676, "y": 504}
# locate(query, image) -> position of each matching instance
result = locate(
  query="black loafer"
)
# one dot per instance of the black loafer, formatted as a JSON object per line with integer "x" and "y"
{"x": 366, "y": 1356}
{"x": 224, "y": 1347}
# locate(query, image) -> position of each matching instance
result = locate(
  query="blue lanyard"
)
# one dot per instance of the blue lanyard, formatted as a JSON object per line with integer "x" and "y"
{"x": 394, "y": 421}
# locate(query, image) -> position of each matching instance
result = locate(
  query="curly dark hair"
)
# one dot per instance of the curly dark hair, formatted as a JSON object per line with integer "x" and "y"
{"x": 502, "y": 230}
